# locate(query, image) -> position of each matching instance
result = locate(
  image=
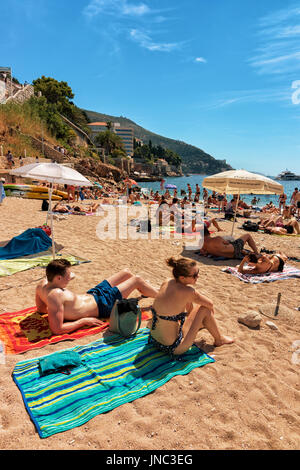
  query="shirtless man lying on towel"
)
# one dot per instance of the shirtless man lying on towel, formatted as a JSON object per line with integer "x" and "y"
{"x": 68, "y": 312}
{"x": 220, "y": 246}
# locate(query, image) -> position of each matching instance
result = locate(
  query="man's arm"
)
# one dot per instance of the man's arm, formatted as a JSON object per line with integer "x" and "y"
{"x": 56, "y": 316}
{"x": 249, "y": 269}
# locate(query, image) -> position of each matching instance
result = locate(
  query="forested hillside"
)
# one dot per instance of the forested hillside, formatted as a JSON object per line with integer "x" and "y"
{"x": 194, "y": 159}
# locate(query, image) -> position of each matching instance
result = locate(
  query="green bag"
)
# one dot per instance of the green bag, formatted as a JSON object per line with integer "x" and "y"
{"x": 59, "y": 362}
{"x": 125, "y": 318}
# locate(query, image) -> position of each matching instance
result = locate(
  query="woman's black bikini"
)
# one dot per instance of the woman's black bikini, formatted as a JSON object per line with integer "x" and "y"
{"x": 162, "y": 347}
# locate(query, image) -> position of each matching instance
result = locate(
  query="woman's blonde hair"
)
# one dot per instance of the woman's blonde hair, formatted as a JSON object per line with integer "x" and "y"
{"x": 181, "y": 266}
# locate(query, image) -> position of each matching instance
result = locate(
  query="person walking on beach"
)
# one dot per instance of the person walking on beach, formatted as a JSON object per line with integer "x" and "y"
{"x": 282, "y": 201}
{"x": 292, "y": 201}
{"x": 68, "y": 312}
{"x": 297, "y": 203}
{"x": 189, "y": 191}
{"x": 179, "y": 311}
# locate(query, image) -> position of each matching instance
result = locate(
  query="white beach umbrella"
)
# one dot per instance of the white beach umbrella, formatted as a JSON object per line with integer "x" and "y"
{"x": 241, "y": 182}
{"x": 53, "y": 173}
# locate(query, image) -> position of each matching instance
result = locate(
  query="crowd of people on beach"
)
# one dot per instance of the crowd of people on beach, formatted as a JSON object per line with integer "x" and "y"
{"x": 179, "y": 311}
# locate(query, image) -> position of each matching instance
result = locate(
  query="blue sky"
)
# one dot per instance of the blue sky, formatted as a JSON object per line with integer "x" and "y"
{"x": 217, "y": 74}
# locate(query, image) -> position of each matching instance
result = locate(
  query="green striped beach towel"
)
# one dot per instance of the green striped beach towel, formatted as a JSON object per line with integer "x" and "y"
{"x": 113, "y": 371}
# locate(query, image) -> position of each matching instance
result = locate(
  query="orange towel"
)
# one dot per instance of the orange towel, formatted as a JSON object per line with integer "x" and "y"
{"x": 25, "y": 330}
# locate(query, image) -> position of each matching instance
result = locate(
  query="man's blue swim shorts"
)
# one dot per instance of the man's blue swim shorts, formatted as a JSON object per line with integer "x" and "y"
{"x": 105, "y": 297}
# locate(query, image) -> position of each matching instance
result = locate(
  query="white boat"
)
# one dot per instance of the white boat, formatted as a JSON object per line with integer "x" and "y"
{"x": 287, "y": 175}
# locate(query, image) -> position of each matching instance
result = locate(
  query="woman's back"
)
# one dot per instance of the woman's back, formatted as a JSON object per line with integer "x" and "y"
{"x": 172, "y": 298}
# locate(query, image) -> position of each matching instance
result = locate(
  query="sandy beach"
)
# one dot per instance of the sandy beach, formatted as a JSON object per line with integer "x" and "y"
{"x": 247, "y": 399}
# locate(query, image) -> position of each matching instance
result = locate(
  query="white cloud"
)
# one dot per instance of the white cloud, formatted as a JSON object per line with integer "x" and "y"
{"x": 144, "y": 40}
{"x": 130, "y": 18}
{"x": 200, "y": 59}
{"x": 250, "y": 96}
{"x": 279, "y": 52}
{"x": 115, "y": 7}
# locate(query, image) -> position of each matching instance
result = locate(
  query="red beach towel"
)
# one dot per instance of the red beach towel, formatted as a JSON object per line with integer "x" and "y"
{"x": 25, "y": 330}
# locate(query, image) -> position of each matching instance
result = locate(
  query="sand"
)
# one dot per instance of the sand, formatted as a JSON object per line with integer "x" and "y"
{"x": 248, "y": 399}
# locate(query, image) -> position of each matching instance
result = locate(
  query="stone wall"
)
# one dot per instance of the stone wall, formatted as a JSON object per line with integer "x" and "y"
{"x": 22, "y": 95}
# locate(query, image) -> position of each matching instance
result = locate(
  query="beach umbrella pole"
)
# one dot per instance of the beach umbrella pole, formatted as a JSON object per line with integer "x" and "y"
{"x": 51, "y": 219}
{"x": 236, "y": 208}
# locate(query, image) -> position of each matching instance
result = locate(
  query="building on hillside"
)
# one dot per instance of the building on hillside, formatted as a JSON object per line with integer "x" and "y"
{"x": 126, "y": 134}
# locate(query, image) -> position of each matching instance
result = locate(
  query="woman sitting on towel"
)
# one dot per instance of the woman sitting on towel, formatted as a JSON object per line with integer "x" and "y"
{"x": 263, "y": 263}
{"x": 179, "y": 311}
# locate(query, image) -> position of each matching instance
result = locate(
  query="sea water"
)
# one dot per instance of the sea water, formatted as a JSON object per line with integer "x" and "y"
{"x": 182, "y": 182}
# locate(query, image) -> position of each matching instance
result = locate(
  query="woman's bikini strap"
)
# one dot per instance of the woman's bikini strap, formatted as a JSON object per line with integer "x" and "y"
{"x": 180, "y": 317}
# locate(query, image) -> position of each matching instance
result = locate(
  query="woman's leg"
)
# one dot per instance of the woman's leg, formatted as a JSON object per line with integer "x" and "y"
{"x": 136, "y": 282}
{"x": 200, "y": 318}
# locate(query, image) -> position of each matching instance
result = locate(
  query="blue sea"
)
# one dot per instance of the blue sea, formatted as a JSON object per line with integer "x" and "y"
{"x": 182, "y": 182}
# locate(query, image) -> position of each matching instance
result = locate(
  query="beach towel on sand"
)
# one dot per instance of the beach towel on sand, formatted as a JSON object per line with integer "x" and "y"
{"x": 32, "y": 241}
{"x": 113, "y": 371}
{"x": 287, "y": 273}
{"x": 25, "y": 330}
{"x": 13, "y": 266}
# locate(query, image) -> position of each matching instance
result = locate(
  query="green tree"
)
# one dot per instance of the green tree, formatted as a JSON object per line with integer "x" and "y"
{"x": 59, "y": 95}
{"x": 109, "y": 141}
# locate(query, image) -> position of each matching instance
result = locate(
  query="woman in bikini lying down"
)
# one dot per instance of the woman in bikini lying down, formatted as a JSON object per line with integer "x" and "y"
{"x": 179, "y": 311}
{"x": 263, "y": 263}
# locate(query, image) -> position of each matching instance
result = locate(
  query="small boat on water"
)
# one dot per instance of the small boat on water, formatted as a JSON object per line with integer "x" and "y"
{"x": 287, "y": 176}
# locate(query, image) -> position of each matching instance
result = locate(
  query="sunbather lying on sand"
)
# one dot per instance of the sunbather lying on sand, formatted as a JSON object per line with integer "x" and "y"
{"x": 277, "y": 225}
{"x": 60, "y": 208}
{"x": 221, "y": 246}
{"x": 263, "y": 263}
{"x": 176, "y": 320}
{"x": 68, "y": 311}
{"x": 87, "y": 209}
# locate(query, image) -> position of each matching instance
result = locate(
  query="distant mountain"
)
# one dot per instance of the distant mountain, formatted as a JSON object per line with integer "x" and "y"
{"x": 194, "y": 160}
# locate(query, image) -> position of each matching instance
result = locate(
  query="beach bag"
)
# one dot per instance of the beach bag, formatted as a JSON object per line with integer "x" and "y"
{"x": 125, "y": 318}
{"x": 229, "y": 215}
{"x": 46, "y": 229}
{"x": 250, "y": 226}
{"x": 45, "y": 205}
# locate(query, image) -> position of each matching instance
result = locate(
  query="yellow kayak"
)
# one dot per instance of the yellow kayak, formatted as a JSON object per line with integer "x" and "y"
{"x": 32, "y": 188}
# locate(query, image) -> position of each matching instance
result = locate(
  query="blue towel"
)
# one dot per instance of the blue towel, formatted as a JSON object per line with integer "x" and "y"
{"x": 30, "y": 242}
{"x": 2, "y": 193}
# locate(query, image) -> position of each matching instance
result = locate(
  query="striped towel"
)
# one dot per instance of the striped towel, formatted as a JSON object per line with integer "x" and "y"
{"x": 16, "y": 265}
{"x": 114, "y": 371}
{"x": 25, "y": 330}
{"x": 287, "y": 273}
